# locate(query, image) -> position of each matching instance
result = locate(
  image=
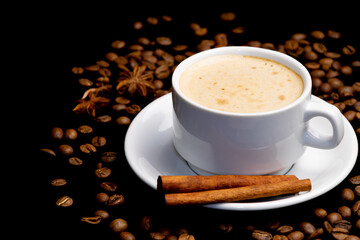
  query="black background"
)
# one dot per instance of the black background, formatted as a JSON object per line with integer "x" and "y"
{"x": 56, "y": 38}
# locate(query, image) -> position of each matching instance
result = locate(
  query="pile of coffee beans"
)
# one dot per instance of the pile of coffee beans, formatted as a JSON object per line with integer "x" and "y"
{"x": 134, "y": 72}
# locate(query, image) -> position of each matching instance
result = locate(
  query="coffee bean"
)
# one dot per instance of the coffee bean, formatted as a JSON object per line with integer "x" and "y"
{"x": 126, "y": 236}
{"x": 85, "y": 82}
{"x": 48, "y": 151}
{"x": 123, "y": 120}
{"x": 357, "y": 191}
{"x": 352, "y": 237}
{"x": 339, "y": 233}
{"x": 346, "y": 70}
{"x": 103, "y": 172}
{"x": 118, "y": 225}
{"x": 109, "y": 186}
{"x": 71, "y": 134}
{"x": 146, "y": 223}
{"x": 75, "y": 161}
{"x": 85, "y": 129}
{"x": 91, "y": 220}
{"x": 227, "y": 16}
{"x": 346, "y": 91}
{"x": 319, "y": 47}
{"x": 57, "y": 133}
{"x": 333, "y": 217}
{"x": 102, "y": 197}
{"x": 77, "y": 70}
{"x": 58, "y": 182}
{"x": 343, "y": 224}
{"x": 64, "y": 201}
{"x": 108, "y": 156}
{"x": 103, "y": 214}
{"x": 164, "y": 41}
{"x": 344, "y": 211}
{"x": 116, "y": 200}
{"x": 307, "y": 228}
{"x": 261, "y": 235}
{"x": 87, "y": 148}
{"x": 186, "y": 236}
{"x": 98, "y": 141}
{"x": 296, "y": 235}
{"x": 317, "y": 34}
{"x": 320, "y": 212}
{"x": 103, "y": 119}
{"x": 157, "y": 236}
{"x": 348, "y": 50}
{"x": 66, "y": 150}
{"x": 356, "y": 208}
{"x": 333, "y": 34}
{"x": 285, "y": 229}
{"x": 335, "y": 83}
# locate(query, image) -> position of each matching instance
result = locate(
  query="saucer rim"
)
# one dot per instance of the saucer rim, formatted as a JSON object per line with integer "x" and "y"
{"x": 235, "y": 206}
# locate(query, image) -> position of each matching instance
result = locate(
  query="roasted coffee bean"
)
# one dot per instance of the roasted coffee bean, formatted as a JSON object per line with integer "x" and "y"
{"x": 87, "y": 148}
{"x": 85, "y": 82}
{"x": 108, "y": 156}
{"x": 333, "y": 34}
{"x": 102, "y": 213}
{"x": 320, "y": 212}
{"x": 118, "y": 225}
{"x": 103, "y": 119}
{"x": 344, "y": 211}
{"x": 335, "y": 83}
{"x": 352, "y": 237}
{"x": 346, "y": 91}
{"x": 85, "y": 129}
{"x": 109, "y": 186}
{"x": 307, "y": 228}
{"x": 98, "y": 141}
{"x": 356, "y": 208}
{"x": 333, "y": 217}
{"x": 64, "y": 201}
{"x": 261, "y": 235}
{"x": 77, "y": 70}
{"x": 157, "y": 236}
{"x": 48, "y": 151}
{"x": 348, "y": 50}
{"x": 333, "y": 55}
{"x": 146, "y": 223}
{"x": 317, "y": 34}
{"x": 186, "y": 236}
{"x": 318, "y": 233}
{"x": 285, "y": 229}
{"x": 126, "y": 236}
{"x": 102, "y": 197}
{"x": 66, "y": 150}
{"x": 319, "y": 47}
{"x": 75, "y": 161}
{"x": 71, "y": 134}
{"x": 350, "y": 115}
{"x": 326, "y": 88}
{"x": 164, "y": 41}
{"x": 346, "y": 70}
{"x": 347, "y": 194}
{"x": 57, "y": 133}
{"x": 116, "y": 200}
{"x": 227, "y": 16}
{"x": 357, "y": 190}
{"x": 327, "y": 226}
{"x": 123, "y": 120}
{"x": 357, "y": 224}
{"x": 103, "y": 172}
{"x": 296, "y": 235}
{"x": 58, "y": 182}
{"x": 343, "y": 224}
{"x": 339, "y": 233}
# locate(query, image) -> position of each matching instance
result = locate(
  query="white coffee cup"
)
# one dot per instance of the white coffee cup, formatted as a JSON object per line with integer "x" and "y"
{"x": 218, "y": 142}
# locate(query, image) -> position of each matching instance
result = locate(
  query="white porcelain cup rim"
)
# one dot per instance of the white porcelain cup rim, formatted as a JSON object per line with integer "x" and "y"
{"x": 263, "y": 53}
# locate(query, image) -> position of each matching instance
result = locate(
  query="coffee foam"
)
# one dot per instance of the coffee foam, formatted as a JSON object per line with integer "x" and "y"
{"x": 242, "y": 84}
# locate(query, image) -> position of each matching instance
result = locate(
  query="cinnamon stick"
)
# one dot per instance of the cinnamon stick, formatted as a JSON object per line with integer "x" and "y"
{"x": 179, "y": 184}
{"x": 240, "y": 193}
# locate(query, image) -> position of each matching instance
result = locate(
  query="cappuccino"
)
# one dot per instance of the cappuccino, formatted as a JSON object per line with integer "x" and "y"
{"x": 241, "y": 84}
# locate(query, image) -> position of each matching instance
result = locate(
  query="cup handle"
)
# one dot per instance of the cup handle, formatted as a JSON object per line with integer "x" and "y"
{"x": 312, "y": 137}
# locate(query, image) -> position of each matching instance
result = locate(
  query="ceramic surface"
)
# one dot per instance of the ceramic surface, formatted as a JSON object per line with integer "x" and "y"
{"x": 250, "y": 143}
{"x": 150, "y": 152}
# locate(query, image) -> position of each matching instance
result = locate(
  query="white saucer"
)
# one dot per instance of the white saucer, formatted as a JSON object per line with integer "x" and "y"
{"x": 150, "y": 153}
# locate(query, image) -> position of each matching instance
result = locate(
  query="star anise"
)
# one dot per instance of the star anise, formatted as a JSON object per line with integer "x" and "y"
{"x": 136, "y": 81}
{"x": 90, "y": 101}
